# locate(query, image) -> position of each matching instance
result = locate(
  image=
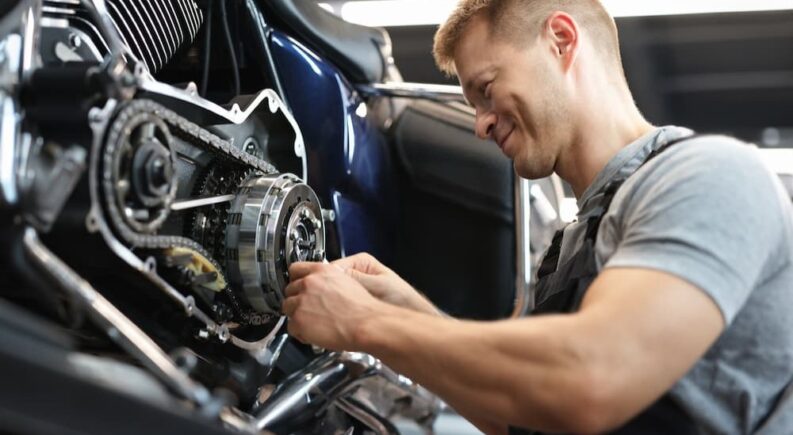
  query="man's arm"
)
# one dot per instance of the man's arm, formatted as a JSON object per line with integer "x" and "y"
{"x": 637, "y": 333}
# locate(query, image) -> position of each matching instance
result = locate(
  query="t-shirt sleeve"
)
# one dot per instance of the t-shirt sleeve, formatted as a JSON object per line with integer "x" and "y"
{"x": 707, "y": 211}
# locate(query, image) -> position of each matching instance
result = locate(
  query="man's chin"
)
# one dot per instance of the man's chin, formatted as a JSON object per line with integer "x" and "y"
{"x": 530, "y": 172}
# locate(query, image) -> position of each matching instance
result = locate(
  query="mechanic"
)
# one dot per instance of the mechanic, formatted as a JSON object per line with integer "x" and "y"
{"x": 664, "y": 309}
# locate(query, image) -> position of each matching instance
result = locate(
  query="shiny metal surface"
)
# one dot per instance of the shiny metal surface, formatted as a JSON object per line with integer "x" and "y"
{"x": 265, "y": 103}
{"x": 9, "y": 142}
{"x": 331, "y": 377}
{"x": 117, "y": 326}
{"x": 30, "y": 38}
{"x": 274, "y": 221}
{"x": 524, "y": 294}
{"x": 95, "y": 222}
{"x": 366, "y": 416}
{"x": 200, "y": 202}
{"x": 413, "y": 90}
{"x": 10, "y": 136}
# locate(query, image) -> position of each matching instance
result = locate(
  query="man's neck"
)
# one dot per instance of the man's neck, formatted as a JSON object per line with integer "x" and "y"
{"x": 602, "y": 136}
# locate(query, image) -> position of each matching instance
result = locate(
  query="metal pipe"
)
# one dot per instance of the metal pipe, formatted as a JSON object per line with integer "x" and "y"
{"x": 524, "y": 294}
{"x": 413, "y": 90}
{"x": 117, "y": 326}
{"x": 367, "y": 416}
{"x": 329, "y": 378}
{"x": 201, "y": 202}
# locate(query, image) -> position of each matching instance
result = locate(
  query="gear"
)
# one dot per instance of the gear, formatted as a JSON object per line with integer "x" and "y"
{"x": 142, "y": 171}
{"x": 207, "y": 225}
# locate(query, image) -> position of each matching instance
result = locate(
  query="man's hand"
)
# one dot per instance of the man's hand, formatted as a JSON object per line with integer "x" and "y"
{"x": 326, "y": 306}
{"x": 384, "y": 284}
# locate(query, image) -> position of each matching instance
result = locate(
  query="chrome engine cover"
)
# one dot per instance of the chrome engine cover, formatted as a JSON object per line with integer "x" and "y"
{"x": 275, "y": 220}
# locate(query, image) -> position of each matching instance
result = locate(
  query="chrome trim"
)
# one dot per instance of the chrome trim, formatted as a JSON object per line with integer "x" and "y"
{"x": 117, "y": 326}
{"x": 329, "y": 378}
{"x": 54, "y": 10}
{"x": 11, "y": 52}
{"x": 367, "y": 417}
{"x": 200, "y": 202}
{"x": 413, "y": 90}
{"x": 9, "y": 142}
{"x": 30, "y": 38}
{"x": 524, "y": 293}
{"x": 218, "y": 115}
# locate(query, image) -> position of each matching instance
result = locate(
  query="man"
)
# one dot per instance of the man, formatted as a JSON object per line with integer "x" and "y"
{"x": 665, "y": 307}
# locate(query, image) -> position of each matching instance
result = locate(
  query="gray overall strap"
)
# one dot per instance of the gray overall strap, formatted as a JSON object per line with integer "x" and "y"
{"x": 561, "y": 288}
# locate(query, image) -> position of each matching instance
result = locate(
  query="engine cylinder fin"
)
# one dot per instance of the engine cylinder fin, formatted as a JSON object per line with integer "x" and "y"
{"x": 167, "y": 30}
{"x": 152, "y": 30}
{"x": 174, "y": 18}
{"x": 126, "y": 31}
{"x": 147, "y": 23}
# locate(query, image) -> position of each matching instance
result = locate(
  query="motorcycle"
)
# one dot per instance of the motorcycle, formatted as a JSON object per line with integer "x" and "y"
{"x": 163, "y": 162}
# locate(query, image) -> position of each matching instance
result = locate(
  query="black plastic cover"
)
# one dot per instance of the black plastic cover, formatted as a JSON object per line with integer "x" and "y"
{"x": 456, "y": 236}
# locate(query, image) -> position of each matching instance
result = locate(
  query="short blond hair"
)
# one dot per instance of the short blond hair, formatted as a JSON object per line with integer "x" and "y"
{"x": 521, "y": 21}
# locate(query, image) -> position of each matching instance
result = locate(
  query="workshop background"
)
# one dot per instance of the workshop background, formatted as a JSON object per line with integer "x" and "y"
{"x": 714, "y": 66}
{"x": 729, "y": 72}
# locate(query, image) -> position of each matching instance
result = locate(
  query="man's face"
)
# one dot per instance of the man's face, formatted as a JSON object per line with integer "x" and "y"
{"x": 519, "y": 95}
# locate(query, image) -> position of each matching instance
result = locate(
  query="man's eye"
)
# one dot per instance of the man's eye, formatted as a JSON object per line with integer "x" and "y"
{"x": 486, "y": 90}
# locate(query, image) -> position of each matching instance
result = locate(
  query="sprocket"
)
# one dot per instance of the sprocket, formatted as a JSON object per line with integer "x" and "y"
{"x": 207, "y": 225}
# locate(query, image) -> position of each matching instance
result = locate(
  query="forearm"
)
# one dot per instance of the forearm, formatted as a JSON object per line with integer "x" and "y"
{"x": 480, "y": 369}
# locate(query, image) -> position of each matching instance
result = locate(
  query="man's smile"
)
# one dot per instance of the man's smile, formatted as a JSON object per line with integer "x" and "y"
{"x": 501, "y": 141}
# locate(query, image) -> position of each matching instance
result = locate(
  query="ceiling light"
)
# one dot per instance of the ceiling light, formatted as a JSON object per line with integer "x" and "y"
{"x": 423, "y": 12}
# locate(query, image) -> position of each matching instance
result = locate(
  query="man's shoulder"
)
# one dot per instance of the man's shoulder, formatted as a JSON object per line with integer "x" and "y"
{"x": 705, "y": 163}
{"x": 701, "y": 179}
{"x": 704, "y": 154}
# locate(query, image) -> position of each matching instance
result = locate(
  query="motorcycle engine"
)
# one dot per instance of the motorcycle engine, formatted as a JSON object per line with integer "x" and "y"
{"x": 155, "y": 227}
{"x": 209, "y": 202}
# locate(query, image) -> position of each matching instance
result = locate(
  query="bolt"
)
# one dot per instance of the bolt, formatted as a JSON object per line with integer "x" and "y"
{"x": 293, "y": 235}
{"x": 158, "y": 175}
{"x": 224, "y": 334}
{"x": 128, "y": 79}
{"x": 304, "y": 213}
{"x": 328, "y": 215}
{"x": 74, "y": 40}
{"x": 95, "y": 115}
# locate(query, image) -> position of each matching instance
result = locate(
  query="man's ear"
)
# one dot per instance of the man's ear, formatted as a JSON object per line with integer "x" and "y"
{"x": 564, "y": 36}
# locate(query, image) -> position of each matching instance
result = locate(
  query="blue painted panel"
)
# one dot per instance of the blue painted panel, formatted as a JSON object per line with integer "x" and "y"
{"x": 349, "y": 163}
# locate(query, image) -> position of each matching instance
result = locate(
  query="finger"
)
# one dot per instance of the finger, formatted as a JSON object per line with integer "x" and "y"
{"x": 301, "y": 269}
{"x": 289, "y": 306}
{"x": 295, "y": 287}
{"x": 362, "y": 262}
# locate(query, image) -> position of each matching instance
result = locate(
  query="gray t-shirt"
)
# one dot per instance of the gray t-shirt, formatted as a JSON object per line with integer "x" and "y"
{"x": 710, "y": 212}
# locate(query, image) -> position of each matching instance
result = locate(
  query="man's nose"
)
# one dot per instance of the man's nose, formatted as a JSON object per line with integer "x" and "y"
{"x": 485, "y": 123}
